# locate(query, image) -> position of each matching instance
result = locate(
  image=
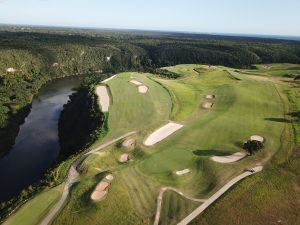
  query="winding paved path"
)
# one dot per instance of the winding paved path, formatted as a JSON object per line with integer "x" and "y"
{"x": 217, "y": 195}
{"x": 160, "y": 197}
{"x": 73, "y": 177}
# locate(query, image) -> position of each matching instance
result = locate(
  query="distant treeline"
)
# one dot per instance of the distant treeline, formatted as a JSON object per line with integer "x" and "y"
{"x": 29, "y": 59}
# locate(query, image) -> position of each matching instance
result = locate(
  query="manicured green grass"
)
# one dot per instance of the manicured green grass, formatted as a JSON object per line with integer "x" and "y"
{"x": 34, "y": 210}
{"x": 133, "y": 111}
{"x": 242, "y": 107}
{"x": 272, "y": 196}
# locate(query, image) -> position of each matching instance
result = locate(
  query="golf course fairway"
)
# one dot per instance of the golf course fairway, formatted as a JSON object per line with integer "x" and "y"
{"x": 241, "y": 106}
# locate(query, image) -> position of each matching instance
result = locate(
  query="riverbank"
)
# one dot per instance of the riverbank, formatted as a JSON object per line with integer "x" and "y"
{"x": 57, "y": 172}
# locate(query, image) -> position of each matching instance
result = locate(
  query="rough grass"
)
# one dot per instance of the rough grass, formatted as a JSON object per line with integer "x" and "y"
{"x": 114, "y": 209}
{"x": 175, "y": 208}
{"x": 34, "y": 210}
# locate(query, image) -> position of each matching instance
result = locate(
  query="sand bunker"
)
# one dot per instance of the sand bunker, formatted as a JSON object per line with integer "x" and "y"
{"x": 229, "y": 158}
{"x": 98, "y": 195}
{"x": 136, "y": 82}
{"x": 100, "y": 191}
{"x": 128, "y": 143}
{"x": 101, "y": 186}
{"x": 210, "y": 96}
{"x": 257, "y": 138}
{"x": 182, "y": 172}
{"x": 103, "y": 97}
{"x": 124, "y": 158}
{"x": 108, "y": 79}
{"x": 162, "y": 133}
{"x": 109, "y": 177}
{"x": 143, "y": 89}
{"x": 207, "y": 105}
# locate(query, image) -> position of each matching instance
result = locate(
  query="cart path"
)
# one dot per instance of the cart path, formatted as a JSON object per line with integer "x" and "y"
{"x": 73, "y": 176}
{"x": 217, "y": 195}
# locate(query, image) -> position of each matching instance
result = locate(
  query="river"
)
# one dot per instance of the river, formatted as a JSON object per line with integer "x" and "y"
{"x": 37, "y": 145}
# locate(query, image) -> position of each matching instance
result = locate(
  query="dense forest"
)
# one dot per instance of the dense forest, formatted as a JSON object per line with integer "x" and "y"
{"x": 80, "y": 128}
{"x": 30, "y": 57}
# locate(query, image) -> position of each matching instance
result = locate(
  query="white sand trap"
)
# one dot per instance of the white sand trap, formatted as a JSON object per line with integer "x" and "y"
{"x": 102, "y": 186}
{"x": 162, "y": 133}
{"x": 103, "y": 97}
{"x": 207, "y": 105}
{"x": 55, "y": 64}
{"x": 108, "y": 79}
{"x": 108, "y": 58}
{"x": 128, "y": 143}
{"x": 257, "y": 138}
{"x": 182, "y": 172}
{"x": 210, "y": 96}
{"x": 137, "y": 83}
{"x": 100, "y": 191}
{"x": 109, "y": 177}
{"x": 143, "y": 89}
{"x": 229, "y": 158}
{"x": 124, "y": 158}
{"x": 98, "y": 195}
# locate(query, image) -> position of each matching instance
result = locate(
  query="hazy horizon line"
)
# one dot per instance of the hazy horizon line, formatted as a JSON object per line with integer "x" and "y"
{"x": 275, "y": 36}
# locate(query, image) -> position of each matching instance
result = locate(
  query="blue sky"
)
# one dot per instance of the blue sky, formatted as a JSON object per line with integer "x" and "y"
{"x": 275, "y": 17}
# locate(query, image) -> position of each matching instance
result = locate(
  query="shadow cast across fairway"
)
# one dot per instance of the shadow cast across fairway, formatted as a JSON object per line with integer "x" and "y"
{"x": 199, "y": 152}
{"x": 278, "y": 120}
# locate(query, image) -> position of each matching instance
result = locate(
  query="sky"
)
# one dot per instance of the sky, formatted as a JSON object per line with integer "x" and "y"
{"x": 268, "y": 17}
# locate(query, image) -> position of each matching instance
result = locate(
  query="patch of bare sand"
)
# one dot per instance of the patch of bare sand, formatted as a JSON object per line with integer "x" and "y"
{"x": 100, "y": 191}
{"x": 257, "y": 138}
{"x": 210, "y": 96}
{"x": 229, "y": 158}
{"x": 162, "y": 133}
{"x": 103, "y": 97}
{"x": 143, "y": 89}
{"x": 124, "y": 158}
{"x": 98, "y": 195}
{"x": 108, "y": 79}
{"x": 182, "y": 172}
{"x": 102, "y": 186}
{"x": 109, "y": 177}
{"x": 128, "y": 143}
{"x": 137, "y": 83}
{"x": 207, "y": 105}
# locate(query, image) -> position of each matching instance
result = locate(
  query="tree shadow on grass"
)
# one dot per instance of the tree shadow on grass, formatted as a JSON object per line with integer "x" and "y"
{"x": 295, "y": 115}
{"x": 279, "y": 120}
{"x": 199, "y": 152}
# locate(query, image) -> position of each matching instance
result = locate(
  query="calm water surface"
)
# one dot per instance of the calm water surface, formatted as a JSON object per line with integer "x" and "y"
{"x": 37, "y": 145}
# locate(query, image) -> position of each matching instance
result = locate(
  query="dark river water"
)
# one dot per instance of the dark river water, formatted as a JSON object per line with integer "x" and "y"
{"x": 37, "y": 144}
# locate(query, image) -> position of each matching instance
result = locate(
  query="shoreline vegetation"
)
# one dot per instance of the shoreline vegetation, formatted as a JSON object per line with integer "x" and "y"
{"x": 95, "y": 124}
